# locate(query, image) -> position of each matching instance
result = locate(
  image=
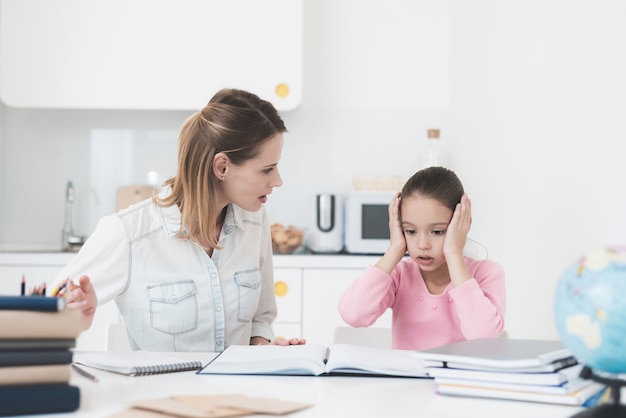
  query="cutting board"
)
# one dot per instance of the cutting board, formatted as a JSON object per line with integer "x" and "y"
{"x": 128, "y": 195}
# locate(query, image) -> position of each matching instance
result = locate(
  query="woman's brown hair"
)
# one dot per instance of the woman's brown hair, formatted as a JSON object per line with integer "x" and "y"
{"x": 235, "y": 122}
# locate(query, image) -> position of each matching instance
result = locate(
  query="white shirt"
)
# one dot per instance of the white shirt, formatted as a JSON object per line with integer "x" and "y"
{"x": 172, "y": 295}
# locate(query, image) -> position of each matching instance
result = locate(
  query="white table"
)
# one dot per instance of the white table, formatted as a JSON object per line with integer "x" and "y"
{"x": 332, "y": 396}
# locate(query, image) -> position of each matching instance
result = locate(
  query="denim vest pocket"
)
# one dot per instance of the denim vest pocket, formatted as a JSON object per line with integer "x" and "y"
{"x": 173, "y": 306}
{"x": 249, "y": 290}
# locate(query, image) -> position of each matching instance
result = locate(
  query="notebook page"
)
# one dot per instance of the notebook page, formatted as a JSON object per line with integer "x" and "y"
{"x": 305, "y": 359}
{"x": 348, "y": 358}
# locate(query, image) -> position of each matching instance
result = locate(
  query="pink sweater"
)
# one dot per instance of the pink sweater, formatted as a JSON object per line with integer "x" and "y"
{"x": 421, "y": 320}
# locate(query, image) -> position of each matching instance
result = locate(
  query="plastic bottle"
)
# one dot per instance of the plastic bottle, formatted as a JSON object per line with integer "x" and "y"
{"x": 431, "y": 153}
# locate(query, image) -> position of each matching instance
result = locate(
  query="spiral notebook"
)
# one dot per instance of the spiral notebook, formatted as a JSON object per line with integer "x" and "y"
{"x": 135, "y": 363}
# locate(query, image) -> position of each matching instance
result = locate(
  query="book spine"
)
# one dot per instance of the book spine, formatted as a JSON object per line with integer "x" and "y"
{"x": 21, "y": 324}
{"x": 32, "y": 303}
{"x": 36, "y": 343}
{"x": 35, "y": 357}
{"x": 38, "y": 399}
{"x": 24, "y": 375}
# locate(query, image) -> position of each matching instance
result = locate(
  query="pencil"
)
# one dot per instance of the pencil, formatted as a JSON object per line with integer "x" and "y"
{"x": 56, "y": 290}
{"x": 85, "y": 373}
{"x": 67, "y": 287}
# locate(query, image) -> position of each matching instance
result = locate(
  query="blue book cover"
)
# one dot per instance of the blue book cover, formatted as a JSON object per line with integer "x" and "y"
{"x": 36, "y": 344}
{"x": 32, "y": 303}
{"x": 35, "y": 357}
{"x": 38, "y": 399}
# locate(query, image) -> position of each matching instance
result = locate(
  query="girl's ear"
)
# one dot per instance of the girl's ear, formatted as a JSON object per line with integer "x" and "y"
{"x": 220, "y": 165}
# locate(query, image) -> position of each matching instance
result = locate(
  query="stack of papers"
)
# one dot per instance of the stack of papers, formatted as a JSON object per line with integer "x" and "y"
{"x": 502, "y": 368}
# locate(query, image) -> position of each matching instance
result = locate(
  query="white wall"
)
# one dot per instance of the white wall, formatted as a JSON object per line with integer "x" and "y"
{"x": 537, "y": 118}
{"x": 531, "y": 105}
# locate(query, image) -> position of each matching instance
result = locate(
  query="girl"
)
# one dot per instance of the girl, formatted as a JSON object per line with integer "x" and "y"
{"x": 437, "y": 295}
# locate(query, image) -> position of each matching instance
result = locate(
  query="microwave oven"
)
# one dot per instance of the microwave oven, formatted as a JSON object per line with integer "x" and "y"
{"x": 367, "y": 222}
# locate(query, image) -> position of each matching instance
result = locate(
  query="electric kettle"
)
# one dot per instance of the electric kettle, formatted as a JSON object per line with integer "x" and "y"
{"x": 326, "y": 232}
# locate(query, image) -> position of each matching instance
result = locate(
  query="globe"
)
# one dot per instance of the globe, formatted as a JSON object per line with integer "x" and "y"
{"x": 590, "y": 309}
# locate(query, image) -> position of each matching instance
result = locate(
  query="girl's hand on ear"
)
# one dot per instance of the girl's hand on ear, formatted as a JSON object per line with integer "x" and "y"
{"x": 397, "y": 243}
{"x": 456, "y": 234}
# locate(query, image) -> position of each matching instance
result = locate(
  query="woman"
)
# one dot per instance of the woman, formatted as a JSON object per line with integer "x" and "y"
{"x": 191, "y": 269}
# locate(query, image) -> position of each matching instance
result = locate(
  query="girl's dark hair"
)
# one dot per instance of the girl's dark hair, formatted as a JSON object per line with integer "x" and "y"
{"x": 437, "y": 183}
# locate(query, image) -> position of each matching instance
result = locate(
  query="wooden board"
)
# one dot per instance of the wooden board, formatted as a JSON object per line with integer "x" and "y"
{"x": 128, "y": 195}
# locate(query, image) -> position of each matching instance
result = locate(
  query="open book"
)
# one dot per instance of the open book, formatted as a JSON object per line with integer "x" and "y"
{"x": 315, "y": 360}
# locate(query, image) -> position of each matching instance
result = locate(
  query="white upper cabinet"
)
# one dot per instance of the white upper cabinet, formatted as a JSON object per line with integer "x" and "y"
{"x": 148, "y": 54}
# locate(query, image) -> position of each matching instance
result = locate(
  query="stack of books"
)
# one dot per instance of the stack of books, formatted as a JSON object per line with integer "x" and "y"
{"x": 514, "y": 369}
{"x": 37, "y": 335}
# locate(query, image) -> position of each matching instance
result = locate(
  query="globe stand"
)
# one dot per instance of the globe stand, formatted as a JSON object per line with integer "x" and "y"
{"x": 610, "y": 410}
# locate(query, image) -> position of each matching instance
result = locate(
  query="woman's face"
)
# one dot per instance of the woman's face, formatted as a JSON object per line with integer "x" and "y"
{"x": 424, "y": 222}
{"x": 247, "y": 185}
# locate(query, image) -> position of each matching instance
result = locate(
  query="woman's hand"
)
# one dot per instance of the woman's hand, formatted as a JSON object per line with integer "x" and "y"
{"x": 278, "y": 341}
{"x": 291, "y": 341}
{"x": 82, "y": 296}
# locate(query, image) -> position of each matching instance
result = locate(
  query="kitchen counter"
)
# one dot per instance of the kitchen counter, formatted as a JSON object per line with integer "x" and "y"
{"x": 35, "y": 258}
{"x": 324, "y": 260}
{"x": 46, "y": 257}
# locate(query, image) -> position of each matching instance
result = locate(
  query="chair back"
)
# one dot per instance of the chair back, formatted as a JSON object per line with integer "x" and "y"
{"x": 117, "y": 338}
{"x": 378, "y": 337}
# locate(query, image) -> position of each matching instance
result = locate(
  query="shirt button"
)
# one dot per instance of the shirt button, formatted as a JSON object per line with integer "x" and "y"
{"x": 435, "y": 307}
{"x": 450, "y": 300}
{"x": 213, "y": 275}
{"x": 421, "y": 298}
{"x": 218, "y": 308}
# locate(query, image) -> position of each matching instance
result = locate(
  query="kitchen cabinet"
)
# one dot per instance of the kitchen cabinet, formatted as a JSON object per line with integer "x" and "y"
{"x": 145, "y": 54}
{"x": 288, "y": 291}
{"x": 322, "y": 289}
{"x": 324, "y": 278}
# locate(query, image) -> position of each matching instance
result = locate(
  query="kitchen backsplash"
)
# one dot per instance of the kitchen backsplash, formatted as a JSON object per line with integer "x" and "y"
{"x": 324, "y": 150}
{"x": 127, "y": 157}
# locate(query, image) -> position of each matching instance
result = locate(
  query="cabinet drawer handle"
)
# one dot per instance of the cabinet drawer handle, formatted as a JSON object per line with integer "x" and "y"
{"x": 280, "y": 288}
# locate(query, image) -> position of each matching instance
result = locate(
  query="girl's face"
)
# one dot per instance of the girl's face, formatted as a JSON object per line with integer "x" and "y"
{"x": 247, "y": 185}
{"x": 424, "y": 223}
